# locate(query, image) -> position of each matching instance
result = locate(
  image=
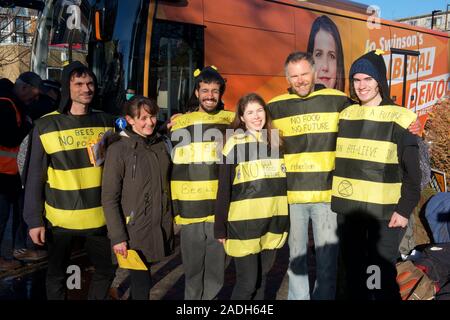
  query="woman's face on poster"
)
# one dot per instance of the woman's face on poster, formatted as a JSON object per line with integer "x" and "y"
{"x": 325, "y": 59}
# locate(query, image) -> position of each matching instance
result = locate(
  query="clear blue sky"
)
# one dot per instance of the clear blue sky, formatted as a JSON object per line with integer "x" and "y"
{"x": 396, "y": 9}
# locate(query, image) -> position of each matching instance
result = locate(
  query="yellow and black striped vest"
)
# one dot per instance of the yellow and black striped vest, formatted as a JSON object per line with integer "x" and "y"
{"x": 309, "y": 127}
{"x": 73, "y": 187}
{"x": 258, "y": 214}
{"x": 195, "y": 155}
{"x": 367, "y": 178}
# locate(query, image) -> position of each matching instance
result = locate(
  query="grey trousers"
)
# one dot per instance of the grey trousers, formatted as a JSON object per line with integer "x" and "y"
{"x": 408, "y": 242}
{"x": 203, "y": 261}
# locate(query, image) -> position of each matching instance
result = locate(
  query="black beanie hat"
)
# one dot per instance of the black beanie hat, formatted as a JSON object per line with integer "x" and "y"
{"x": 32, "y": 79}
{"x": 372, "y": 64}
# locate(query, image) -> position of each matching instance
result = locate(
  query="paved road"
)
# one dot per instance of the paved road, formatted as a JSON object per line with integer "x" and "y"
{"x": 168, "y": 279}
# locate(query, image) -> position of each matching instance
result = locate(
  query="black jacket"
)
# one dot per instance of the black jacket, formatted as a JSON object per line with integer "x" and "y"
{"x": 136, "y": 194}
{"x": 408, "y": 158}
{"x": 11, "y": 135}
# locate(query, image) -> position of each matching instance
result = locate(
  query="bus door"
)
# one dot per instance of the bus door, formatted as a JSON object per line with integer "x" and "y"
{"x": 177, "y": 50}
{"x": 406, "y": 54}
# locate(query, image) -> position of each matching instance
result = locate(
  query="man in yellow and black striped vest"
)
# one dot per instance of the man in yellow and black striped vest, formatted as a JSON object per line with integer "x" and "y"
{"x": 376, "y": 184}
{"x": 308, "y": 119}
{"x": 65, "y": 188}
{"x": 194, "y": 185}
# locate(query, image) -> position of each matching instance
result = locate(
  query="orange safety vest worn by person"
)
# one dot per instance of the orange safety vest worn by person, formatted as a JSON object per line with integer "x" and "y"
{"x": 14, "y": 98}
{"x": 8, "y": 155}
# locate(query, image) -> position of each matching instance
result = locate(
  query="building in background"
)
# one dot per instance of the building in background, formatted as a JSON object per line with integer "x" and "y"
{"x": 17, "y": 26}
{"x": 441, "y": 20}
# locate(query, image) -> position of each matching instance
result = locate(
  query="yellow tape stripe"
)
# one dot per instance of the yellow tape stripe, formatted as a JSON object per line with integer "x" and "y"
{"x": 194, "y": 190}
{"x": 309, "y": 196}
{"x": 72, "y": 139}
{"x": 196, "y": 152}
{"x": 259, "y": 169}
{"x": 367, "y": 150}
{"x": 193, "y": 118}
{"x": 259, "y": 208}
{"x": 323, "y": 92}
{"x": 242, "y": 248}
{"x": 239, "y": 139}
{"x": 366, "y": 191}
{"x": 400, "y": 115}
{"x": 310, "y": 162}
{"x": 75, "y": 219}
{"x": 50, "y": 114}
{"x": 75, "y": 179}
{"x": 321, "y": 122}
{"x": 183, "y": 221}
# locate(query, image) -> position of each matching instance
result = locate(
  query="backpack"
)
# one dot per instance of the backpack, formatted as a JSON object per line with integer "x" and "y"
{"x": 414, "y": 283}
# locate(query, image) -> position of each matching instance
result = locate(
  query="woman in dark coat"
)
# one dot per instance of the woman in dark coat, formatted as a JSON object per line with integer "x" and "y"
{"x": 135, "y": 192}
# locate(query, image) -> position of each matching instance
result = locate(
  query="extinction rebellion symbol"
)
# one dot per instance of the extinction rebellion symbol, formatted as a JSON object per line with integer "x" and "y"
{"x": 345, "y": 188}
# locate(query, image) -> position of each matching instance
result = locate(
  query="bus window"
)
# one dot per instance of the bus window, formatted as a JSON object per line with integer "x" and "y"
{"x": 65, "y": 33}
{"x": 62, "y": 36}
{"x": 176, "y": 51}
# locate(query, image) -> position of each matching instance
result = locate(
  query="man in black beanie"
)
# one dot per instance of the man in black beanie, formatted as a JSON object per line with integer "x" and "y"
{"x": 376, "y": 182}
{"x": 372, "y": 65}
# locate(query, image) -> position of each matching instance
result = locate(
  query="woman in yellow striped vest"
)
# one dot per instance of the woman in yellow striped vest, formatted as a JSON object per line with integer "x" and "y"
{"x": 251, "y": 216}
{"x": 376, "y": 182}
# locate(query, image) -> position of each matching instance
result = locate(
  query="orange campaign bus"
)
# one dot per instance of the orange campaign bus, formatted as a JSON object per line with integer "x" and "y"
{"x": 152, "y": 47}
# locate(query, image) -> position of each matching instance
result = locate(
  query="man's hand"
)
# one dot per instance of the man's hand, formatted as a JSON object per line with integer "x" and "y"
{"x": 37, "y": 235}
{"x": 222, "y": 240}
{"x": 397, "y": 220}
{"x": 172, "y": 122}
{"x": 415, "y": 128}
{"x": 121, "y": 248}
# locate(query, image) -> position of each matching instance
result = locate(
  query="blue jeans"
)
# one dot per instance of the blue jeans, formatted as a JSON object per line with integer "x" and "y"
{"x": 324, "y": 224}
{"x": 438, "y": 217}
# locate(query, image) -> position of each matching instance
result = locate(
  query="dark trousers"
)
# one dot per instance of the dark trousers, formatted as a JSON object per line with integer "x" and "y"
{"x": 203, "y": 261}
{"x": 98, "y": 248}
{"x": 251, "y": 275}
{"x": 368, "y": 245}
{"x": 141, "y": 282}
{"x": 10, "y": 203}
{"x": 21, "y": 236}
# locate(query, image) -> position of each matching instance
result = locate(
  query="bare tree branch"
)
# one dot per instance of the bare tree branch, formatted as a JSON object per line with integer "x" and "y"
{"x": 16, "y": 30}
